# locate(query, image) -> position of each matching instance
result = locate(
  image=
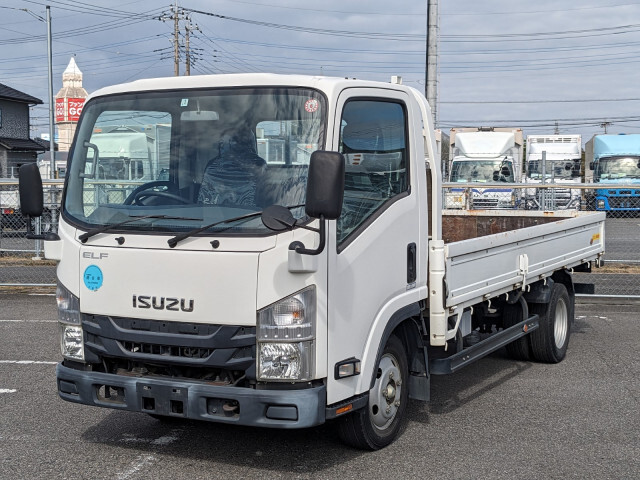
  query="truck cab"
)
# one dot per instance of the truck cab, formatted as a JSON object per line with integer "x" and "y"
{"x": 615, "y": 160}
{"x": 485, "y": 156}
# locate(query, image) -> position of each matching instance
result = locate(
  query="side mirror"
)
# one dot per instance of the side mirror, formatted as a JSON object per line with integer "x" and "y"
{"x": 30, "y": 187}
{"x": 31, "y": 196}
{"x": 592, "y": 165}
{"x": 325, "y": 191}
{"x": 325, "y": 185}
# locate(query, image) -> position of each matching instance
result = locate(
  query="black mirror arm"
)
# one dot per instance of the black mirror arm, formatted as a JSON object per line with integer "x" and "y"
{"x": 299, "y": 247}
{"x": 41, "y": 236}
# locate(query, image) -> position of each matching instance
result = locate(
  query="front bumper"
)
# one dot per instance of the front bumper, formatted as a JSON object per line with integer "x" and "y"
{"x": 195, "y": 400}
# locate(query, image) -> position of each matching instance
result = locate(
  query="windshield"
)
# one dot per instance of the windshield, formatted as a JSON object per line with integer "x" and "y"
{"x": 470, "y": 171}
{"x": 618, "y": 167}
{"x": 560, "y": 169}
{"x": 186, "y": 159}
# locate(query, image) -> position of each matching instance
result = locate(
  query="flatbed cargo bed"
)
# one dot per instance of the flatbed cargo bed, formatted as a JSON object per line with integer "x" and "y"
{"x": 490, "y": 253}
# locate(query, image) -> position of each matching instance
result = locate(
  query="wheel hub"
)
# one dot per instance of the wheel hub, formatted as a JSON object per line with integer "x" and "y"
{"x": 384, "y": 398}
{"x": 390, "y": 392}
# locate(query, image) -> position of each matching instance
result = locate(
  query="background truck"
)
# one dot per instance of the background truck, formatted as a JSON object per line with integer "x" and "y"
{"x": 615, "y": 160}
{"x": 485, "y": 155}
{"x": 563, "y": 155}
{"x": 289, "y": 295}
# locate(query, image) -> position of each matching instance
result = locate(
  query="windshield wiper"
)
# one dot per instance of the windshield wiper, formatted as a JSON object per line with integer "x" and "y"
{"x": 178, "y": 238}
{"x": 105, "y": 228}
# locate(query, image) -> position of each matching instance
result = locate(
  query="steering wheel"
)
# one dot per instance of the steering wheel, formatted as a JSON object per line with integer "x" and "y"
{"x": 171, "y": 187}
{"x": 137, "y": 199}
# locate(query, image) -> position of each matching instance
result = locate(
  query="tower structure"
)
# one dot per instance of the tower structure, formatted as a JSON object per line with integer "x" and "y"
{"x": 69, "y": 102}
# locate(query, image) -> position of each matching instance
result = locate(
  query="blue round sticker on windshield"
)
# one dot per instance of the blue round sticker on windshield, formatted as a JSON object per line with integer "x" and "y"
{"x": 93, "y": 277}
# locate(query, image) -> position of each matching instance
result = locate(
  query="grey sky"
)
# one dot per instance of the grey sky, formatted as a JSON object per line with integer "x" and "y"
{"x": 509, "y": 63}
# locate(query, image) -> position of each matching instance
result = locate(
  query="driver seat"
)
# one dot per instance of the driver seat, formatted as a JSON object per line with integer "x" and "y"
{"x": 231, "y": 178}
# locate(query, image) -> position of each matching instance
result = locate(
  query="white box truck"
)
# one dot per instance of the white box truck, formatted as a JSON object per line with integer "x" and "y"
{"x": 289, "y": 295}
{"x": 563, "y": 154}
{"x": 485, "y": 155}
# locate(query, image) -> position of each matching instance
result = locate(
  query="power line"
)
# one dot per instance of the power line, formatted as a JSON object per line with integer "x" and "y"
{"x": 546, "y": 12}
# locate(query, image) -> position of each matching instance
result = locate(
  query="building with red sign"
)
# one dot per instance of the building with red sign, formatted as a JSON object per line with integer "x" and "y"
{"x": 69, "y": 102}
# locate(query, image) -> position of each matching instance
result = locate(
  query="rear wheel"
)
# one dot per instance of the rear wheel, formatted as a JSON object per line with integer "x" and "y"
{"x": 511, "y": 315}
{"x": 380, "y": 422}
{"x": 550, "y": 341}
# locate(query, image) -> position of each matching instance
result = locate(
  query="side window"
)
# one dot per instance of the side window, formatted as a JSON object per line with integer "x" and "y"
{"x": 373, "y": 142}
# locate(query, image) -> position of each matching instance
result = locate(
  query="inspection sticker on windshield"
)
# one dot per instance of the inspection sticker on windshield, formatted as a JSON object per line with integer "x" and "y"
{"x": 93, "y": 277}
{"x": 311, "y": 105}
{"x": 184, "y": 102}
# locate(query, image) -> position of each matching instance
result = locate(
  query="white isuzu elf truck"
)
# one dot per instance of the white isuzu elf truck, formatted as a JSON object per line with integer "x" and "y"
{"x": 287, "y": 294}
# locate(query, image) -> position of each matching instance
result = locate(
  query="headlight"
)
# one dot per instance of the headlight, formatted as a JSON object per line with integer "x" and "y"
{"x": 71, "y": 341}
{"x": 286, "y": 338}
{"x": 600, "y": 204}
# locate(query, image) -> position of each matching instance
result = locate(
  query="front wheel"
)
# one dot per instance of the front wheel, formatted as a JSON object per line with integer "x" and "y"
{"x": 550, "y": 340}
{"x": 380, "y": 422}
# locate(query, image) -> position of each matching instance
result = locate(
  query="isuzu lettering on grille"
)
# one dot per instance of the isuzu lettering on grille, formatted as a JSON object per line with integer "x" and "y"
{"x": 163, "y": 303}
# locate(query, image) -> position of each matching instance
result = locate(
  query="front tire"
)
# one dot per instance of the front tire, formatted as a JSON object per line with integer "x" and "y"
{"x": 381, "y": 421}
{"x": 550, "y": 340}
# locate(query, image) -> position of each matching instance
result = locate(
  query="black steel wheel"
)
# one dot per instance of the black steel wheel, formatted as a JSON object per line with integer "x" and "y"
{"x": 382, "y": 420}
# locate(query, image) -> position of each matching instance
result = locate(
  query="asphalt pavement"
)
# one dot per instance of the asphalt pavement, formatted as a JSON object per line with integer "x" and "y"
{"x": 497, "y": 419}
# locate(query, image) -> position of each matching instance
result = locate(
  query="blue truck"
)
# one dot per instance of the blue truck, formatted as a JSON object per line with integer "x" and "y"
{"x": 615, "y": 160}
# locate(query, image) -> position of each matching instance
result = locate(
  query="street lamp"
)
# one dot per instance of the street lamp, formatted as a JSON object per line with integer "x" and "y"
{"x": 51, "y": 101}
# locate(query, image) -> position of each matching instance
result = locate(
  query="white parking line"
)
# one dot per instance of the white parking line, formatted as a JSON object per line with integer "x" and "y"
{"x": 8, "y": 320}
{"x": 28, "y": 362}
{"x": 8, "y": 390}
{"x": 138, "y": 464}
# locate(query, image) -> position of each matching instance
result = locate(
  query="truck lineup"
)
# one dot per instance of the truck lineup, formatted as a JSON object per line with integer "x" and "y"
{"x": 327, "y": 284}
{"x": 492, "y": 156}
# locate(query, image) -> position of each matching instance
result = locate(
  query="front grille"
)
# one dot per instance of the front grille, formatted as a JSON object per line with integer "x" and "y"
{"x": 485, "y": 203}
{"x": 206, "y": 352}
{"x": 624, "y": 202}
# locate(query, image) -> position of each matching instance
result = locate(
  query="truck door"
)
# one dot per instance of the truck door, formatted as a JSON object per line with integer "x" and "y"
{"x": 372, "y": 246}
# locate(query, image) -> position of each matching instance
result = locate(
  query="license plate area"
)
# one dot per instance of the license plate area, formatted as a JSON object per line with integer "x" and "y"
{"x": 163, "y": 400}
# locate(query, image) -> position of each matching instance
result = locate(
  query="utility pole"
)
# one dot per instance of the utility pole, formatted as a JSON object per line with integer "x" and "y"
{"x": 187, "y": 56}
{"x": 175, "y": 15}
{"x": 431, "y": 90}
{"x": 188, "y": 28}
{"x": 605, "y": 125}
{"x": 557, "y": 129}
{"x": 176, "y": 38}
{"x": 52, "y": 128}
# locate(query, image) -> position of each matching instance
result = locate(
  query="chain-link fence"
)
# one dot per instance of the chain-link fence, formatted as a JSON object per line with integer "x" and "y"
{"x": 22, "y": 260}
